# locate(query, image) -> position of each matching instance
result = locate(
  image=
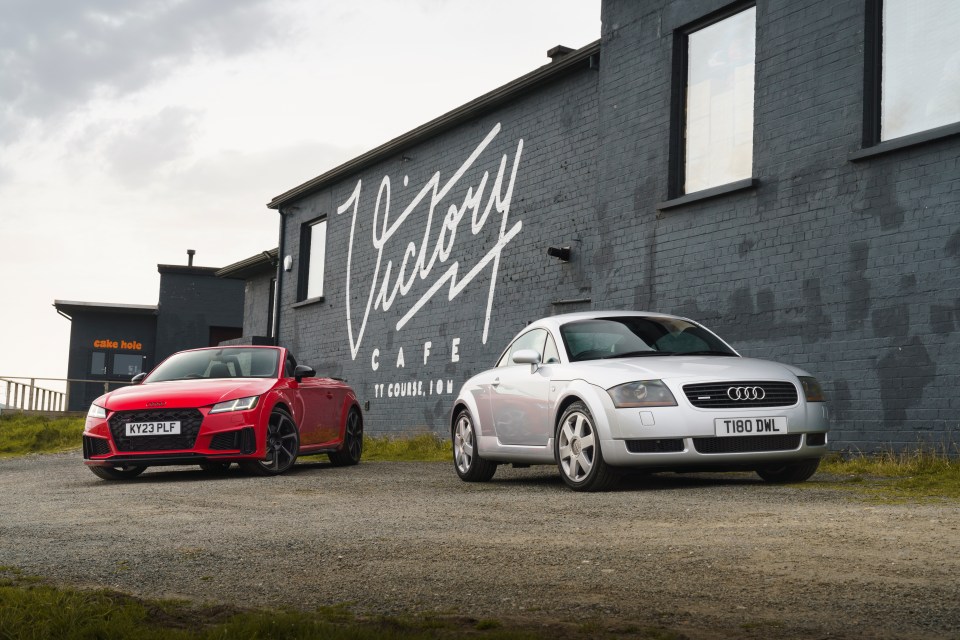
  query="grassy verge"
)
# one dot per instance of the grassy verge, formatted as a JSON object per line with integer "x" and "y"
{"x": 32, "y": 610}
{"x": 425, "y": 447}
{"x": 921, "y": 475}
{"x": 20, "y": 434}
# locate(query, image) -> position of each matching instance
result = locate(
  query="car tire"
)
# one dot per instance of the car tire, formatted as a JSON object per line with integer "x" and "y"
{"x": 795, "y": 472}
{"x": 466, "y": 459}
{"x": 352, "y": 448}
{"x": 121, "y": 472}
{"x": 576, "y": 448}
{"x": 282, "y": 445}
{"x": 215, "y": 467}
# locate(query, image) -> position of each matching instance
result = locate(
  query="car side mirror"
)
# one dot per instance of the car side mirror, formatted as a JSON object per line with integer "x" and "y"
{"x": 303, "y": 371}
{"x": 527, "y": 356}
{"x": 137, "y": 379}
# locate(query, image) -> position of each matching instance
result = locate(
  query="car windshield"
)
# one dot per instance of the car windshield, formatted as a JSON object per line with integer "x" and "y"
{"x": 638, "y": 336}
{"x": 232, "y": 362}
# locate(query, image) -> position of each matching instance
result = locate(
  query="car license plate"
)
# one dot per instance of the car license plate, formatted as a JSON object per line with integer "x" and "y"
{"x": 153, "y": 428}
{"x": 750, "y": 426}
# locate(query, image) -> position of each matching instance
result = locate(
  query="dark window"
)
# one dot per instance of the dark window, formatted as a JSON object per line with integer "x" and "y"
{"x": 98, "y": 363}
{"x": 912, "y": 67}
{"x": 713, "y": 100}
{"x": 313, "y": 243}
{"x": 127, "y": 364}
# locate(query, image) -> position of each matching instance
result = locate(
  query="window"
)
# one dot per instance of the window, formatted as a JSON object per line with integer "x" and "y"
{"x": 533, "y": 339}
{"x": 98, "y": 363}
{"x": 313, "y": 243}
{"x": 127, "y": 364}
{"x": 713, "y": 103}
{"x": 913, "y": 67}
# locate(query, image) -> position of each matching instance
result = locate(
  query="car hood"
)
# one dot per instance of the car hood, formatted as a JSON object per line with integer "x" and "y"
{"x": 180, "y": 394}
{"x": 684, "y": 369}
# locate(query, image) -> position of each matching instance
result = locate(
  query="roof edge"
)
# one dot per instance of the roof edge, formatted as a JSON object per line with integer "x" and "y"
{"x": 263, "y": 261}
{"x": 448, "y": 120}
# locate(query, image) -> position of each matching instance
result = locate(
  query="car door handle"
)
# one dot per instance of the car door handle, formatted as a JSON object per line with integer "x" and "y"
{"x": 496, "y": 382}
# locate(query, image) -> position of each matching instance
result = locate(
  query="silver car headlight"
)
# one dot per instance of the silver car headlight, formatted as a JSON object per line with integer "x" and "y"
{"x": 96, "y": 411}
{"x": 643, "y": 393}
{"x": 812, "y": 389}
{"x": 240, "y": 404}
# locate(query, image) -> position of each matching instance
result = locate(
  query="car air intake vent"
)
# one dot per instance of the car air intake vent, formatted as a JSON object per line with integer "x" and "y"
{"x": 816, "y": 439}
{"x": 189, "y": 419}
{"x": 95, "y": 447}
{"x": 229, "y": 441}
{"x": 741, "y": 394}
{"x": 665, "y": 445}
{"x": 747, "y": 444}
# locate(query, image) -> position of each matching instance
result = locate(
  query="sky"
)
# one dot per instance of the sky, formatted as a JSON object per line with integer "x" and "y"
{"x": 133, "y": 130}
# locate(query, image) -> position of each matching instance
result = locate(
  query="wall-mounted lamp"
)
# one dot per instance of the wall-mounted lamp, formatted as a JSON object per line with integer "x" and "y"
{"x": 563, "y": 253}
{"x": 288, "y": 263}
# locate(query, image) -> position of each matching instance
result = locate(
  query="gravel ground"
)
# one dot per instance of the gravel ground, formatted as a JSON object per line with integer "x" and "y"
{"x": 705, "y": 555}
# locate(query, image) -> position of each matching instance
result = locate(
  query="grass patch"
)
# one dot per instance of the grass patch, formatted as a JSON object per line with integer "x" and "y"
{"x": 21, "y": 434}
{"x": 425, "y": 447}
{"x": 924, "y": 474}
{"x": 30, "y": 610}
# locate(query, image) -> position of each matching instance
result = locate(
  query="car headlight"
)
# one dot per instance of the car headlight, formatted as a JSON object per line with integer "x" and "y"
{"x": 240, "y": 404}
{"x": 96, "y": 411}
{"x": 811, "y": 389}
{"x": 643, "y": 393}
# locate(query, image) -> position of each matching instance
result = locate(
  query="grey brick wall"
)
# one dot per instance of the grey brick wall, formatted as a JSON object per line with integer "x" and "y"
{"x": 844, "y": 268}
{"x": 848, "y": 269}
{"x": 192, "y": 301}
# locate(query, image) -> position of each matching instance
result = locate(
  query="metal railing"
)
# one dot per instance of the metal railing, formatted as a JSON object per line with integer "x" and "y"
{"x": 25, "y": 394}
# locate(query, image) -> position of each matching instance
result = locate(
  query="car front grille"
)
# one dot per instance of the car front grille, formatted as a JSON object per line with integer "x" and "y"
{"x": 190, "y": 420}
{"x": 748, "y": 444}
{"x": 741, "y": 394}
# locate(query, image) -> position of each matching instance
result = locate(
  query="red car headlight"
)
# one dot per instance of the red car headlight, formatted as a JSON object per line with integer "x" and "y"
{"x": 240, "y": 404}
{"x": 96, "y": 411}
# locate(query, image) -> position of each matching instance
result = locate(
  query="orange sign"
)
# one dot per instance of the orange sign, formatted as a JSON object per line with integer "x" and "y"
{"x": 132, "y": 345}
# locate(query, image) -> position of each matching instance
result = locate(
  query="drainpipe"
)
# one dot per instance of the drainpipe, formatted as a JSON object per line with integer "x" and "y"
{"x": 278, "y": 293}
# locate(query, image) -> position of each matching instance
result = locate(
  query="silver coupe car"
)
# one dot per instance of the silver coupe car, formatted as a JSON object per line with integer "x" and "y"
{"x": 598, "y": 393}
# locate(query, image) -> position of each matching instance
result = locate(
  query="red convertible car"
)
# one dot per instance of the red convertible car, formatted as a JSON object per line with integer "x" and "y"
{"x": 212, "y": 407}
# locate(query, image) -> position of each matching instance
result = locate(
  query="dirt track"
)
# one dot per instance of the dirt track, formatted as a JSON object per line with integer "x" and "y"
{"x": 704, "y": 555}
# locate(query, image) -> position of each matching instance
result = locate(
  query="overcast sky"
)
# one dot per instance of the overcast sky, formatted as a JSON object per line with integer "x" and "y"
{"x": 133, "y": 130}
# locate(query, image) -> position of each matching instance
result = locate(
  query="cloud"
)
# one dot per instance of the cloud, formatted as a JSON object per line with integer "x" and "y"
{"x": 136, "y": 151}
{"x": 56, "y": 55}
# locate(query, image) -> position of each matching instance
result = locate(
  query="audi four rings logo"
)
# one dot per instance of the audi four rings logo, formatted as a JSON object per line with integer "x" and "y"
{"x": 746, "y": 393}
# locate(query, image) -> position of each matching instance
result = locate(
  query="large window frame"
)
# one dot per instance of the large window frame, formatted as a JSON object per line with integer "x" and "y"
{"x": 312, "y": 260}
{"x": 874, "y": 139}
{"x": 678, "y": 137}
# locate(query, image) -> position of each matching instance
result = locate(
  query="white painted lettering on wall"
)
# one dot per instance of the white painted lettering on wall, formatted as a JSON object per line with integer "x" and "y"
{"x": 387, "y": 287}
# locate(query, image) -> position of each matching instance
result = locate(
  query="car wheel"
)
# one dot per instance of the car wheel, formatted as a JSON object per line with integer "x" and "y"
{"x": 215, "y": 467}
{"x": 470, "y": 466}
{"x": 283, "y": 445}
{"x": 352, "y": 448}
{"x": 121, "y": 472}
{"x": 796, "y": 472}
{"x": 577, "y": 450}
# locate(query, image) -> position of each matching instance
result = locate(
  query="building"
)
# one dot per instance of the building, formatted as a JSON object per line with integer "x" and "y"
{"x": 776, "y": 170}
{"x": 110, "y": 343}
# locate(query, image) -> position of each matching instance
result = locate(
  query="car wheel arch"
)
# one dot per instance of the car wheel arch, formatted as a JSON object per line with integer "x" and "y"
{"x": 459, "y": 406}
